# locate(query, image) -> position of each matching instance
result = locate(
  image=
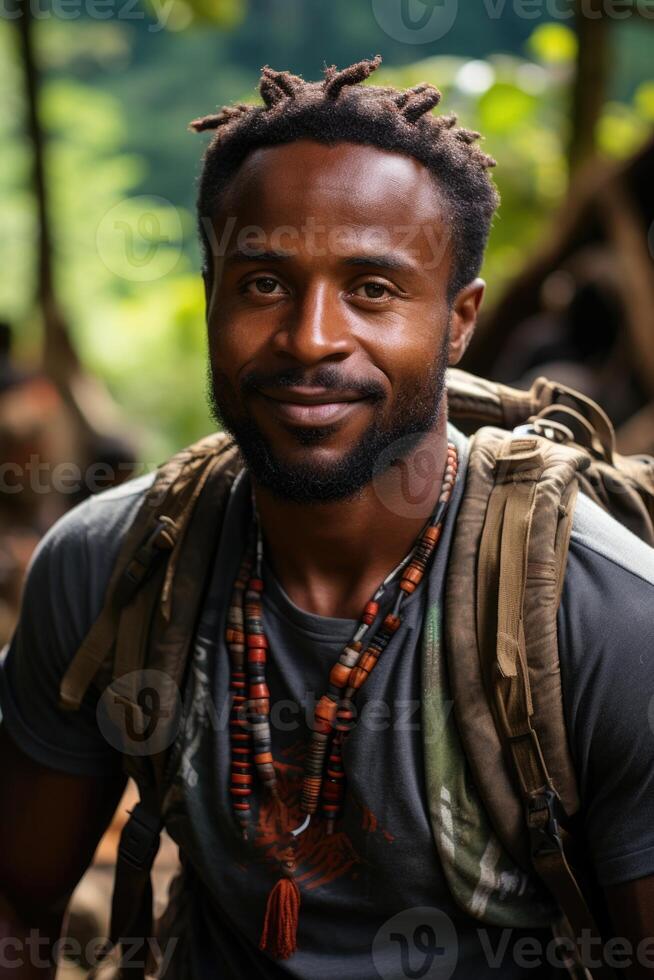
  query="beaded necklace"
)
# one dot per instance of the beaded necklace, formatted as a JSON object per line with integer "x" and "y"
{"x": 323, "y": 781}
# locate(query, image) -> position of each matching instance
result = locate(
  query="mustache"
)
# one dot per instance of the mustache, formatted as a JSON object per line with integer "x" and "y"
{"x": 326, "y": 377}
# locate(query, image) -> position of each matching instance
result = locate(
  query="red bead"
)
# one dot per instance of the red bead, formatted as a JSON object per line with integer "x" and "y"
{"x": 259, "y": 692}
{"x": 256, "y": 640}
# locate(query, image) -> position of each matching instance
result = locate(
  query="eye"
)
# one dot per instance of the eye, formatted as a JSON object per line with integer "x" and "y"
{"x": 263, "y": 286}
{"x": 373, "y": 290}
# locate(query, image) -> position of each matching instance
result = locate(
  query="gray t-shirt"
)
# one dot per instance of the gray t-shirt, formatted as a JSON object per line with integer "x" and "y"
{"x": 372, "y": 891}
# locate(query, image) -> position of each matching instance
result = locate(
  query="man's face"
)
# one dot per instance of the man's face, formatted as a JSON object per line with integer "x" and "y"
{"x": 329, "y": 322}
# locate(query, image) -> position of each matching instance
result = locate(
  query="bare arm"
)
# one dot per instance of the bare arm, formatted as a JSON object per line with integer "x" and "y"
{"x": 50, "y": 826}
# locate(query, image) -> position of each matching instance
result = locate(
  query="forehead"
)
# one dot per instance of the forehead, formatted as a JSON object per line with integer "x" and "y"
{"x": 343, "y": 182}
{"x": 369, "y": 200}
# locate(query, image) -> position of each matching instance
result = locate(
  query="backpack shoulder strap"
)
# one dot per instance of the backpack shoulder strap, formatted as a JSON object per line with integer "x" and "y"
{"x": 157, "y": 530}
{"x": 143, "y": 636}
{"x": 511, "y": 539}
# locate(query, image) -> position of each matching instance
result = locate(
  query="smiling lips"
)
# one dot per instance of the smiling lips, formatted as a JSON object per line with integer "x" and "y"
{"x": 312, "y": 406}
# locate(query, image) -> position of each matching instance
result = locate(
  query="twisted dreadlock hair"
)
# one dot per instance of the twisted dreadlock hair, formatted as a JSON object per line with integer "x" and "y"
{"x": 339, "y": 109}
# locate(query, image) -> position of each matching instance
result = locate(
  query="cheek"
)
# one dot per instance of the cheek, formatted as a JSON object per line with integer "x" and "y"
{"x": 229, "y": 345}
{"x": 406, "y": 347}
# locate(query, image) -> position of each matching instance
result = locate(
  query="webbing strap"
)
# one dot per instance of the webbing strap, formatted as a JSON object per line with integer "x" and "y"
{"x": 504, "y": 551}
{"x": 98, "y": 642}
{"x": 131, "y": 903}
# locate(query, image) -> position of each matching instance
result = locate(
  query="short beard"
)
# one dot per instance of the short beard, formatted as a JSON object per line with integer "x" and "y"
{"x": 416, "y": 410}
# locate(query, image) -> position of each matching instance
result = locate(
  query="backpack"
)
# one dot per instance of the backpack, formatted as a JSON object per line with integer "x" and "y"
{"x": 534, "y": 452}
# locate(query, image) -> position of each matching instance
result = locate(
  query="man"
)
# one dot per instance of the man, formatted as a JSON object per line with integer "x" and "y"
{"x": 344, "y": 229}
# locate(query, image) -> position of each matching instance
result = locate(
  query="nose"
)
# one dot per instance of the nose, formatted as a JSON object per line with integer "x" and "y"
{"x": 315, "y": 328}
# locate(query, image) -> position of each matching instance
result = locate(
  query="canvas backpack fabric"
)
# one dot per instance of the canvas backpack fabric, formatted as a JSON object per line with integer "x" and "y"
{"x": 530, "y": 454}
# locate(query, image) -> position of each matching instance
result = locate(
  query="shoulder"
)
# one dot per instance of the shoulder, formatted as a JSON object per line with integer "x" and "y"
{"x": 64, "y": 593}
{"x": 608, "y": 545}
{"x": 72, "y": 564}
{"x": 93, "y": 530}
{"x": 606, "y": 651}
{"x": 607, "y": 605}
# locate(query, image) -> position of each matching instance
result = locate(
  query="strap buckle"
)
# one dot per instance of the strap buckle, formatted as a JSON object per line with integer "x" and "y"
{"x": 140, "y": 839}
{"x": 548, "y": 428}
{"x": 160, "y": 539}
{"x": 544, "y": 811}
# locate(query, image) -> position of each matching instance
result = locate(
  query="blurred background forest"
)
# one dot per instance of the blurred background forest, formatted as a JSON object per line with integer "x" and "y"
{"x": 102, "y": 335}
{"x": 115, "y": 94}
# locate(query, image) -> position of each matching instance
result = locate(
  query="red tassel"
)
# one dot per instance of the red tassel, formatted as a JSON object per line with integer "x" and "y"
{"x": 279, "y": 934}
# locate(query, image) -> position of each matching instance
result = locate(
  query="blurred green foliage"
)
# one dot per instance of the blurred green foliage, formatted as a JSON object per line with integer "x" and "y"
{"x": 119, "y": 157}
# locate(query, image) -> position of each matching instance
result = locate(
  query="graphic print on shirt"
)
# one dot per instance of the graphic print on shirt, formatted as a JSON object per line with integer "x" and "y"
{"x": 321, "y": 858}
{"x": 480, "y": 874}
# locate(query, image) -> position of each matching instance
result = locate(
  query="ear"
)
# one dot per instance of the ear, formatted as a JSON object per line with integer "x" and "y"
{"x": 464, "y": 318}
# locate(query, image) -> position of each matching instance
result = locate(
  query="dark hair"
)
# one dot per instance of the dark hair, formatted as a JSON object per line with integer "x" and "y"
{"x": 339, "y": 109}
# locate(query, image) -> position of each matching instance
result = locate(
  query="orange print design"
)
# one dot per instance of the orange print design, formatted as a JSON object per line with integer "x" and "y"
{"x": 320, "y": 858}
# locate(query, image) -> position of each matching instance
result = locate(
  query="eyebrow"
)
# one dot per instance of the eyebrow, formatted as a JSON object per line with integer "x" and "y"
{"x": 384, "y": 261}
{"x": 256, "y": 255}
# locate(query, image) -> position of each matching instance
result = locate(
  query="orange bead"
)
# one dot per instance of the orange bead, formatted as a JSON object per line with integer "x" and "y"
{"x": 433, "y": 533}
{"x": 370, "y": 611}
{"x": 339, "y": 675}
{"x": 326, "y": 709}
{"x": 392, "y": 623}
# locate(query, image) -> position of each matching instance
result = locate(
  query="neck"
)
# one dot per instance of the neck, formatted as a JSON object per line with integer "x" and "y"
{"x": 330, "y": 557}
